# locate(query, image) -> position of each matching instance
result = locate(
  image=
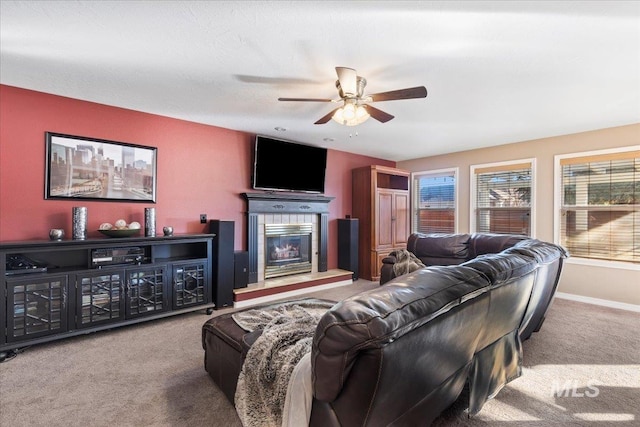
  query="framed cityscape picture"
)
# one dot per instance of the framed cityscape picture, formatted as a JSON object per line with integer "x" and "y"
{"x": 79, "y": 167}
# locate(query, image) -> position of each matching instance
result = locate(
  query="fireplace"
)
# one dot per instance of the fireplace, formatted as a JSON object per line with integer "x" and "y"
{"x": 266, "y": 209}
{"x": 287, "y": 249}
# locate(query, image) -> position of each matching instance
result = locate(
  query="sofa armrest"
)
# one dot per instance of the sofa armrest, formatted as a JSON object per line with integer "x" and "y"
{"x": 386, "y": 273}
{"x": 386, "y": 270}
{"x": 390, "y": 259}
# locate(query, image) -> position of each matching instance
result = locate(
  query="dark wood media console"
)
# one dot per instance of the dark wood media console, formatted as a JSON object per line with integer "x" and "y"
{"x": 83, "y": 286}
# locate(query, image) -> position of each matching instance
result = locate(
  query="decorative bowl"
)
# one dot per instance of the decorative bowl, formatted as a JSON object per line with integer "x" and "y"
{"x": 125, "y": 232}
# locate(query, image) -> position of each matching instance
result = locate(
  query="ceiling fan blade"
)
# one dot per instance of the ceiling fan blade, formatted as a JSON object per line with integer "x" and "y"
{"x": 326, "y": 118}
{"x": 379, "y": 115}
{"x": 306, "y": 99}
{"x": 409, "y": 93}
{"x": 348, "y": 80}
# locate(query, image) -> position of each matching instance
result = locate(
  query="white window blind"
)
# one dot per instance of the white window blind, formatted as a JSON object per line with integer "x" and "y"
{"x": 435, "y": 202}
{"x": 600, "y": 212}
{"x": 503, "y": 198}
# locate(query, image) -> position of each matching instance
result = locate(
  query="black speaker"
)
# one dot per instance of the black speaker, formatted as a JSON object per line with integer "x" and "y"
{"x": 222, "y": 256}
{"x": 241, "y": 269}
{"x": 348, "y": 245}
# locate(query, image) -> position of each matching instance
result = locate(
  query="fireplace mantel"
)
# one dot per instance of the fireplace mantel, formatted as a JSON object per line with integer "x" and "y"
{"x": 271, "y": 203}
{"x": 286, "y": 203}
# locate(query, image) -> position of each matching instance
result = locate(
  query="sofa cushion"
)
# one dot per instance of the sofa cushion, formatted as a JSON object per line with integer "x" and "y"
{"x": 542, "y": 252}
{"x": 502, "y": 267}
{"x": 439, "y": 249}
{"x": 490, "y": 243}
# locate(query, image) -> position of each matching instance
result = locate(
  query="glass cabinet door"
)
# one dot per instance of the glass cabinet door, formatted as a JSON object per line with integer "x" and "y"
{"x": 36, "y": 306}
{"x": 189, "y": 283}
{"x": 99, "y": 297}
{"x": 146, "y": 291}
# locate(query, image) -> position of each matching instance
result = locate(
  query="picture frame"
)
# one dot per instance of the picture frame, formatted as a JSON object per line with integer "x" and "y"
{"x": 84, "y": 168}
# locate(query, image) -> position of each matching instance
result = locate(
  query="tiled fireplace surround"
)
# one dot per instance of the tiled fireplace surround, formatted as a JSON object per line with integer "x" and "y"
{"x": 268, "y": 208}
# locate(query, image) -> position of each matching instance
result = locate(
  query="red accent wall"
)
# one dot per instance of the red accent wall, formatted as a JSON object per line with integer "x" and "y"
{"x": 201, "y": 169}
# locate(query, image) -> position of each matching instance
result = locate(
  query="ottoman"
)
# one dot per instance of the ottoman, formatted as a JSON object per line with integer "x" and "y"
{"x": 225, "y": 348}
{"x": 226, "y": 344}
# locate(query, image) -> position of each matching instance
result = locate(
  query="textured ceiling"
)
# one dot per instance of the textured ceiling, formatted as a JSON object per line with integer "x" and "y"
{"x": 496, "y": 72}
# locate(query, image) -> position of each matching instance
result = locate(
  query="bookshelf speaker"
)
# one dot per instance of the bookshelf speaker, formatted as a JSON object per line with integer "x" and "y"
{"x": 222, "y": 255}
{"x": 348, "y": 245}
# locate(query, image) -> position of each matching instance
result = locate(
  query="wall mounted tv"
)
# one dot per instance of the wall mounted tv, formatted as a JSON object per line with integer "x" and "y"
{"x": 288, "y": 166}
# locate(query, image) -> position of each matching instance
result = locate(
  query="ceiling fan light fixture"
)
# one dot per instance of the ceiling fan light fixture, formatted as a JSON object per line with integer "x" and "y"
{"x": 351, "y": 114}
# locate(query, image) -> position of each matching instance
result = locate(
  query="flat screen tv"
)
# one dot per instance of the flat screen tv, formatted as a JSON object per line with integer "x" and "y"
{"x": 288, "y": 166}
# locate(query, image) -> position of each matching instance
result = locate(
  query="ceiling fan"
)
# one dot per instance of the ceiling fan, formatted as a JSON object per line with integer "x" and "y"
{"x": 355, "y": 108}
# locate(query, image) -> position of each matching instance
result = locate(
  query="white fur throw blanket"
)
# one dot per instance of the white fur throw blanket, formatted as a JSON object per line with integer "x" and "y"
{"x": 287, "y": 333}
{"x": 406, "y": 262}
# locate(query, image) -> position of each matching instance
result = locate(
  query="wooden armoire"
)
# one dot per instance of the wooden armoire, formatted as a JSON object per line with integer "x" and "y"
{"x": 380, "y": 200}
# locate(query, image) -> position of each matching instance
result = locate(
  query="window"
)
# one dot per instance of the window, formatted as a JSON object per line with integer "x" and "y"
{"x": 434, "y": 199}
{"x": 501, "y": 197}
{"x": 599, "y": 212}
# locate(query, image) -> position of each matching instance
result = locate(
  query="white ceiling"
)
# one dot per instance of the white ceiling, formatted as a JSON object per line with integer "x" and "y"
{"x": 496, "y": 72}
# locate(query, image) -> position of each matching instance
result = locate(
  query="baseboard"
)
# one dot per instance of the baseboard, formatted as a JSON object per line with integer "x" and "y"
{"x": 598, "y": 301}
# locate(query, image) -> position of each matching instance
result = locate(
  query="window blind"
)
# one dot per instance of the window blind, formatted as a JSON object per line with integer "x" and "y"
{"x": 435, "y": 202}
{"x": 600, "y": 212}
{"x": 503, "y": 198}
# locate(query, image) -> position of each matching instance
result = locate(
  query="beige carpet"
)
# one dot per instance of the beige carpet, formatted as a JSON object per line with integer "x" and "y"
{"x": 581, "y": 369}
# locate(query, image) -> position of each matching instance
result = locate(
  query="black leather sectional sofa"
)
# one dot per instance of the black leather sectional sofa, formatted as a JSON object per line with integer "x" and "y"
{"x": 456, "y": 249}
{"x": 402, "y": 353}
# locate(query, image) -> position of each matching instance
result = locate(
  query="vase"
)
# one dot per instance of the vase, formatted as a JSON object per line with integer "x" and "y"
{"x": 79, "y": 222}
{"x": 150, "y": 222}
